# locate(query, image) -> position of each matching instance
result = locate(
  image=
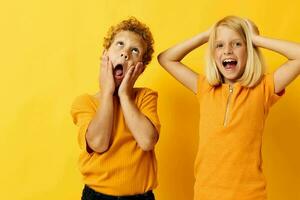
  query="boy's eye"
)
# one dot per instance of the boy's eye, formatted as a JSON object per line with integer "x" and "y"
{"x": 135, "y": 50}
{"x": 120, "y": 43}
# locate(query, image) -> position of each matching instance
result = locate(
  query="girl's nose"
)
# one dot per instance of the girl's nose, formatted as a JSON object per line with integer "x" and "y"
{"x": 228, "y": 50}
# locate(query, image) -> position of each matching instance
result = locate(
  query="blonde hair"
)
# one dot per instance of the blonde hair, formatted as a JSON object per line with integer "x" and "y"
{"x": 255, "y": 67}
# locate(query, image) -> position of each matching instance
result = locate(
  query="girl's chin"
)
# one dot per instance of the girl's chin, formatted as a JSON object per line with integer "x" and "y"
{"x": 231, "y": 78}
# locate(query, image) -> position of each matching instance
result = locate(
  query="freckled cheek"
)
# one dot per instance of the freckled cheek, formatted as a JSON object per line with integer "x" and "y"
{"x": 217, "y": 58}
{"x": 243, "y": 58}
{"x": 111, "y": 53}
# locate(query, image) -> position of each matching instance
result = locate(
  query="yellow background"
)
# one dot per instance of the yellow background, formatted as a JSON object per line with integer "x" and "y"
{"x": 50, "y": 53}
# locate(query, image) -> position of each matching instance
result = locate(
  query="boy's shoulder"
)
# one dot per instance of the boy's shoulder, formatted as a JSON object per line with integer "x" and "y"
{"x": 84, "y": 100}
{"x": 89, "y": 100}
{"x": 144, "y": 96}
{"x": 144, "y": 91}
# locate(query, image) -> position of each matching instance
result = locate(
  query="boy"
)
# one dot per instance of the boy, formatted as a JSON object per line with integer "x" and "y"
{"x": 119, "y": 126}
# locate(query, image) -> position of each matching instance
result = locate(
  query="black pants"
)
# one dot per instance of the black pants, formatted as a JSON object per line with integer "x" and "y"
{"x": 90, "y": 194}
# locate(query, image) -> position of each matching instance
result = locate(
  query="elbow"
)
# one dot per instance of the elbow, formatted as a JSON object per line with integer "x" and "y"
{"x": 160, "y": 59}
{"x": 147, "y": 146}
{"x": 97, "y": 145}
{"x": 149, "y": 143}
{"x": 100, "y": 148}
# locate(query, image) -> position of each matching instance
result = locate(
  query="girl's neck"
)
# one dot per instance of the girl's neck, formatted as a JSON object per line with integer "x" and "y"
{"x": 229, "y": 82}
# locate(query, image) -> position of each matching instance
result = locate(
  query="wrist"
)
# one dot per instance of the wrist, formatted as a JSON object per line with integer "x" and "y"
{"x": 124, "y": 96}
{"x": 206, "y": 35}
{"x": 201, "y": 38}
{"x": 106, "y": 94}
{"x": 255, "y": 40}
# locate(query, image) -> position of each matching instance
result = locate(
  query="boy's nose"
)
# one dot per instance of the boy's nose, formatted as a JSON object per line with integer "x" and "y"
{"x": 125, "y": 56}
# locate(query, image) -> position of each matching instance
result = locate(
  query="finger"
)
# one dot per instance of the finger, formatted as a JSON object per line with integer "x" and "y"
{"x": 104, "y": 54}
{"x": 104, "y": 62}
{"x": 142, "y": 67}
{"x": 110, "y": 67}
{"x": 129, "y": 73}
{"x": 139, "y": 69}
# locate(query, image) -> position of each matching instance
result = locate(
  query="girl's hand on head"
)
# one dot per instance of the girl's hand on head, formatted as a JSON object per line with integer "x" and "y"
{"x": 253, "y": 29}
{"x": 207, "y": 33}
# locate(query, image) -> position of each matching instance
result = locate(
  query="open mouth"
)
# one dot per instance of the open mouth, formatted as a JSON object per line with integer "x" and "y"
{"x": 229, "y": 64}
{"x": 118, "y": 71}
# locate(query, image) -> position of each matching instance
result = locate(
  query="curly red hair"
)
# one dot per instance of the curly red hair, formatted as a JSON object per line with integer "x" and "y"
{"x": 134, "y": 25}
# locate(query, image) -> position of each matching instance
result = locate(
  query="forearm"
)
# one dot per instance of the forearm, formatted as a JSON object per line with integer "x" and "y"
{"x": 141, "y": 128}
{"x": 179, "y": 51}
{"x": 288, "y": 71}
{"x": 291, "y": 50}
{"x": 170, "y": 60}
{"x": 100, "y": 128}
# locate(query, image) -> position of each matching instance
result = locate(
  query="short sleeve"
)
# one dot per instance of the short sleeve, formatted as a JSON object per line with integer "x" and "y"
{"x": 270, "y": 96}
{"x": 201, "y": 86}
{"x": 82, "y": 113}
{"x": 148, "y": 106}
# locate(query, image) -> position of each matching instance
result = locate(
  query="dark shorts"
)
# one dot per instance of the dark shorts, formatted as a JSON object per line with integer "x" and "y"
{"x": 90, "y": 194}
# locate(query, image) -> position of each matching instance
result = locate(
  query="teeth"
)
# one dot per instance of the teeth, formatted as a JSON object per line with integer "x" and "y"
{"x": 228, "y": 60}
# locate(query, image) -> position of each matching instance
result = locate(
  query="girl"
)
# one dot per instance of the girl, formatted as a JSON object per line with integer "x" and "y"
{"x": 235, "y": 97}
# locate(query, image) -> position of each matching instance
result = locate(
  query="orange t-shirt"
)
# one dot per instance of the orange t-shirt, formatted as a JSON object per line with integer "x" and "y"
{"x": 124, "y": 169}
{"x": 228, "y": 165}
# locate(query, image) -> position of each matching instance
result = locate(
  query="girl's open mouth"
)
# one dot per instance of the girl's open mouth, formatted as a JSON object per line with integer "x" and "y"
{"x": 229, "y": 64}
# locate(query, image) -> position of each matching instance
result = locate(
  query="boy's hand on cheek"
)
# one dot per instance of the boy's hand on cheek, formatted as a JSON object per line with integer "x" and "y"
{"x": 126, "y": 87}
{"x": 106, "y": 82}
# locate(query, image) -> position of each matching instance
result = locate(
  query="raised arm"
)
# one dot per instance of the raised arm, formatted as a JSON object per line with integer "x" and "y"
{"x": 139, "y": 125}
{"x": 170, "y": 60}
{"x": 100, "y": 128}
{"x": 288, "y": 71}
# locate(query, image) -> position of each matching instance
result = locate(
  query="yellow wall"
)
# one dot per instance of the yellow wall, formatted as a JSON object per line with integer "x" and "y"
{"x": 50, "y": 53}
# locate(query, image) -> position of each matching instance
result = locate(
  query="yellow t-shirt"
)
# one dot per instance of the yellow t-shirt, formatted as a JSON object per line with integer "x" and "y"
{"x": 228, "y": 164}
{"x": 124, "y": 169}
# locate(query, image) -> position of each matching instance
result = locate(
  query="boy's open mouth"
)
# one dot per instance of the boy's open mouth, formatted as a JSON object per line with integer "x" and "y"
{"x": 229, "y": 64}
{"x": 118, "y": 72}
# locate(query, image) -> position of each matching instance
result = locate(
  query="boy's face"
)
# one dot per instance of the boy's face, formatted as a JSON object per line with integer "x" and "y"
{"x": 126, "y": 50}
{"x": 230, "y": 53}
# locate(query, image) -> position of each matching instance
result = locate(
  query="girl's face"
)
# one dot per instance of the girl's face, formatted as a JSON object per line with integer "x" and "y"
{"x": 230, "y": 54}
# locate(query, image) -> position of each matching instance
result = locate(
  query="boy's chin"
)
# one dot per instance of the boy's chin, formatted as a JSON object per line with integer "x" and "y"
{"x": 118, "y": 83}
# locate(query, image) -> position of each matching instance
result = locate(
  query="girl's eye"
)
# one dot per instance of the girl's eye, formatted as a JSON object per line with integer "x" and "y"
{"x": 219, "y": 45}
{"x": 120, "y": 43}
{"x": 135, "y": 50}
{"x": 237, "y": 44}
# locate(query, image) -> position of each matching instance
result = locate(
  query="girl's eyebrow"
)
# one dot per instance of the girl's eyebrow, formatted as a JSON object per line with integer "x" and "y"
{"x": 234, "y": 40}
{"x": 238, "y": 39}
